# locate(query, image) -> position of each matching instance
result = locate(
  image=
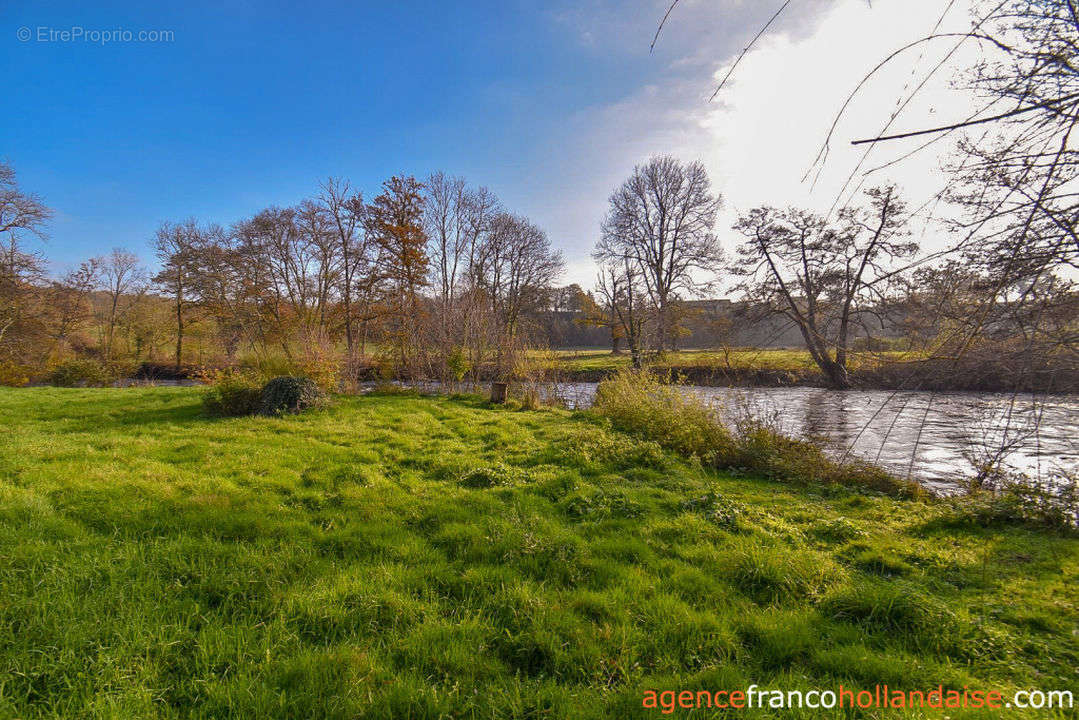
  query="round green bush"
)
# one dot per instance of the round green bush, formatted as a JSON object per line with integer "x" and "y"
{"x": 289, "y": 394}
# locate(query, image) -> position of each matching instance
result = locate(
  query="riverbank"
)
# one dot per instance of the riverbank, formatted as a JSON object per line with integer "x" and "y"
{"x": 746, "y": 367}
{"x": 404, "y": 556}
{"x": 751, "y": 367}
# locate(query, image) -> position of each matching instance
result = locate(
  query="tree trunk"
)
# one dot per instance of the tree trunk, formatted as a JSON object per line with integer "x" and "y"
{"x": 179, "y": 334}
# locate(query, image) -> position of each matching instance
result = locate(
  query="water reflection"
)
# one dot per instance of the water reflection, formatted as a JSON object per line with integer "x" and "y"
{"x": 934, "y": 437}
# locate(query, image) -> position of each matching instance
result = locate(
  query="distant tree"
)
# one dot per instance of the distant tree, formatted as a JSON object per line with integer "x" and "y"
{"x": 347, "y": 212}
{"x": 624, "y": 303}
{"x": 70, "y": 300}
{"x": 661, "y": 221}
{"x": 123, "y": 281}
{"x": 178, "y": 247}
{"x": 601, "y": 314}
{"x": 514, "y": 270}
{"x": 818, "y": 274}
{"x": 395, "y": 221}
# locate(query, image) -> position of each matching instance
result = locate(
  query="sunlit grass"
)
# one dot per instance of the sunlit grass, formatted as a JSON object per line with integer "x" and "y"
{"x": 784, "y": 359}
{"x": 400, "y": 556}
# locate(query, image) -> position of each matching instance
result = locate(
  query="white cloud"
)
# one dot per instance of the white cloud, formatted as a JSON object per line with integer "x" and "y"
{"x": 763, "y": 132}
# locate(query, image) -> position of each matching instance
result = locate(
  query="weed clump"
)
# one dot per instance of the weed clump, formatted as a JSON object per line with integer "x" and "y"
{"x": 290, "y": 395}
{"x": 717, "y": 509}
{"x": 891, "y": 605}
{"x": 764, "y": 450}
{"x": 594, "y": 504}
{"x": 836, "y": 530}
{"x": 771, "y": 577}
{"x": 616, "y": 451}
{"x": 635, "y": 401}
{"x": 487, "y": 476}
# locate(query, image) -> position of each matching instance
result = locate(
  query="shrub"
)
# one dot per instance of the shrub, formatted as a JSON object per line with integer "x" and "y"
{"x": 637, "y": 402}
{"x": 457, "y": 364}
{"x": 1015, "y": 499}
{"x": 288, "y": 394}
{"x": 317, "y": 365}
{"x": 83, "y": 372}
{"x": 13, "y": 373}
{"x": 232, "y": 394}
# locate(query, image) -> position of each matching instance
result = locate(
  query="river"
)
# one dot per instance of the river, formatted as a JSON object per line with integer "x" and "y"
{"x": 932, "y": 437}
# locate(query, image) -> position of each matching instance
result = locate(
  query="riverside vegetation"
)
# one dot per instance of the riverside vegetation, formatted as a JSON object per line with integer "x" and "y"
{"x": 394, "y": 555}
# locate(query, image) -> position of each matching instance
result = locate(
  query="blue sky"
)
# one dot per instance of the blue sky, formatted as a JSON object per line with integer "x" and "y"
{"x": 251, "y": 104}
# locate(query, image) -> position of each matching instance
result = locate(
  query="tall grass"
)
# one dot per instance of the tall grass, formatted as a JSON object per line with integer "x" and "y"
{"x": 636, "y": 401}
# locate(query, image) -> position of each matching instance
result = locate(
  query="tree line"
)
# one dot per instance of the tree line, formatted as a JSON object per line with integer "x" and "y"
{"x": 436, "y": 277}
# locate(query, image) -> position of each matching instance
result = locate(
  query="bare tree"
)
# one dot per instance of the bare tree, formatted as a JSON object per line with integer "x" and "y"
{"x": 70, "y": 301}
{"x": 457, "y": 219}
{"x": 348, "y": 213}
{"x": 123, "y": 280}
{"x": 661, "y": 220}
{"x": 321, "y": 253}
{"x": 178, "y": 247}
{"x": 21, "y": 214}
{"x": 817, "y": 274}
{"x": 624, "y": 301}
{"x": 514, "y": 270}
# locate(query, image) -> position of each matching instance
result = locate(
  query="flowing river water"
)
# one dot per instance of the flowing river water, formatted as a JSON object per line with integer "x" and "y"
{"x": 933, "y": 437}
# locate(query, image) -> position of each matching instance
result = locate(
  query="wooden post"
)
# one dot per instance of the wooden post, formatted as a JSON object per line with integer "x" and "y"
{"x": 498, "y": 392}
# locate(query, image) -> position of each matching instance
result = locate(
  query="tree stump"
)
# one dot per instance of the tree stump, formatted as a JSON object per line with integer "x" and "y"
{"x": 498, "y": 392}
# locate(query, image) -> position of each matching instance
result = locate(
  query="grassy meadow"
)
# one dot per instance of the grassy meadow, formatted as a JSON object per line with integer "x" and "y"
{"x": 739, "y": 359}
{"x": 396, "y": 556}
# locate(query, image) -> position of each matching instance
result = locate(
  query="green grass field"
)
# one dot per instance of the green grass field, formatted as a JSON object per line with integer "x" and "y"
{"x": 793, "y": 360}
{"x": 408, "y": 557}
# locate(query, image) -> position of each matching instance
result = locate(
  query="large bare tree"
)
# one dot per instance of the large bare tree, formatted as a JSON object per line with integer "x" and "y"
{"x": 661, "y": 219}
{"x": 513, "y": 270}
{"x": 820, "y": 274}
